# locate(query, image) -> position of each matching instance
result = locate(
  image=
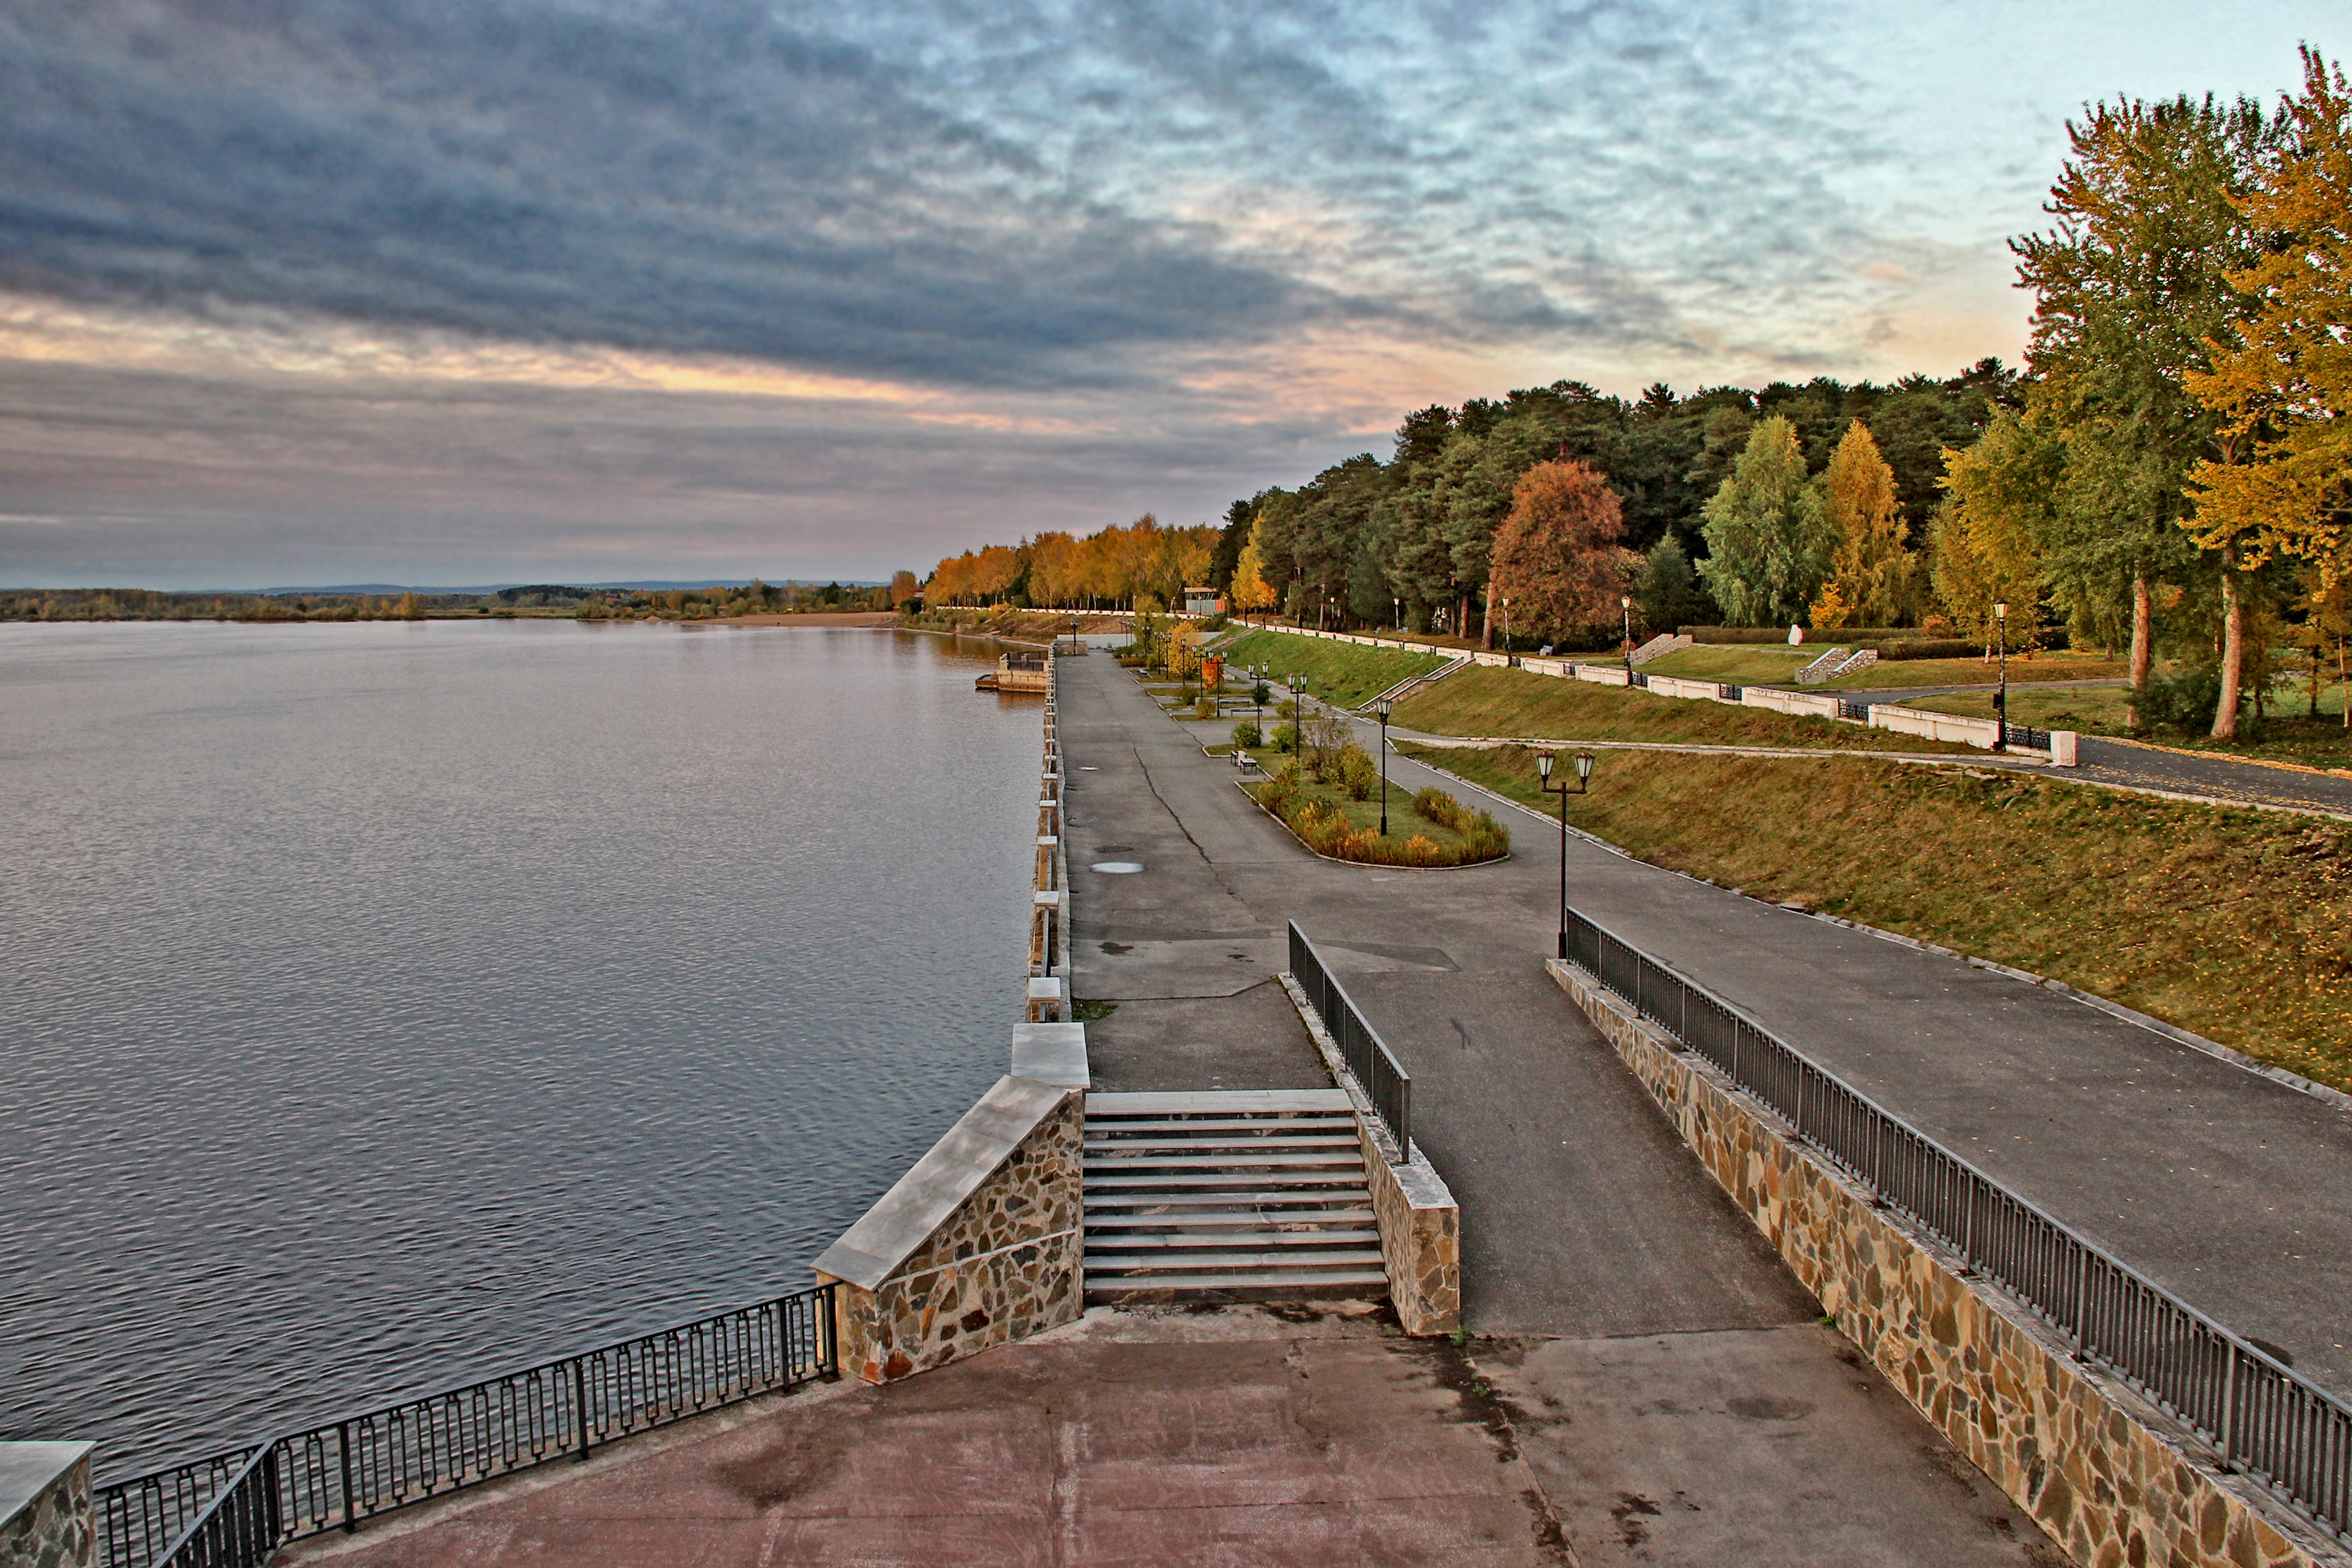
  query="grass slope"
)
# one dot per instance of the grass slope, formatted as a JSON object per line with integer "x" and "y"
{"x": 1482, "y": 700}
{"x": 1344, "y": 673}
{"x": 2288, "y": 735}
{"x": 2237, "y": 924}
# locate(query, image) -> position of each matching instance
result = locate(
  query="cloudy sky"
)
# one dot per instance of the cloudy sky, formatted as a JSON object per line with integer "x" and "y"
{"x": 303, "y": 291}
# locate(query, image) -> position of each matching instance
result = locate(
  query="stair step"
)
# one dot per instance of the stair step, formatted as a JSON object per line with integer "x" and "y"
{"x": 1315, "y": 1201}
{"x": 1279, "y": 1285}
{"x": 1191, "y": 1263}
{"x": 1351, "y": 1158}
{"x": 1219, "y": 1102}
{"x": 1176, "y": 1181}
{"x": 1272, "y": 1143}
{"x": 1247, "y": 1239}
{"x": 1314, "y": 1221}
{"x": 1336, "y": 1120}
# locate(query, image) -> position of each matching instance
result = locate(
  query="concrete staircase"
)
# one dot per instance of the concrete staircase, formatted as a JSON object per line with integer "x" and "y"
{"x": 1243, "y": 1196}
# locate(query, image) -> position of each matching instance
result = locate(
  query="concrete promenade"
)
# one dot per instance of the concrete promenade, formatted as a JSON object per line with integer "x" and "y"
{"x": 2230, "y": 1189}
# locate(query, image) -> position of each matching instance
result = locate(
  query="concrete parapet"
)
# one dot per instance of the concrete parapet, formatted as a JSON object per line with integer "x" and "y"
{"x": 979, "y": 1244}
{"x": 1676, "y": 686}
{"x": 45, "y": 1517}
{"x": 1605, "y": 675}
{"x": 1978, "y": 732}
{"x": 1420, "y": 1223}
{"x": 1790, "y": 702}
{"x": 2111, "y": 1477}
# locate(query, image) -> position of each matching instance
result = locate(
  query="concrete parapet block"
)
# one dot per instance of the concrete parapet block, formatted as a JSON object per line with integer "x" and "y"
{"x": 2111, "y": 1477}
{"x": 979, "y": 1244}
{"x": 1046, "y": 998}
{"x": 1053, "y": 1053}
{"x": 47, "y": 1519}
{"x": 1420, "y": 1223}
{"x": 1604, "y": 675}
{"x": 2062, "y": 747}
{"x": 1982, "y": 733}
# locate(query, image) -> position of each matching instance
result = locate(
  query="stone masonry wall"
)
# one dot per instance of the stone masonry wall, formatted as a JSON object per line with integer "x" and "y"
{"x": 1006, "y": 1264}
{"x": 2112, "y": 1478}
{"x": 1420, "y": 1223}
{"x": 56, "y": 1529}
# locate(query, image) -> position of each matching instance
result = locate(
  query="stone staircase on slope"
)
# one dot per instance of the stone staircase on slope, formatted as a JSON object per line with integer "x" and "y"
{"x": 1237, "y": 1195}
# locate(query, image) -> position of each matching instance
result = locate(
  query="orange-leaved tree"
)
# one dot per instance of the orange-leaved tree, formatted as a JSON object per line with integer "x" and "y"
{"x": 2285, "y": 389}
{"x": 1556, "y": 556}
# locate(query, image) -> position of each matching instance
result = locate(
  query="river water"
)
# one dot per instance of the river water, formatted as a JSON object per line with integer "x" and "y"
{"x": 384, "y": 1005}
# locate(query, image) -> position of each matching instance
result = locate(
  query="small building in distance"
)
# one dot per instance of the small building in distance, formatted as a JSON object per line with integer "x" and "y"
{"x": 1203, "y": 601}
{"x": 1016, "y": 673}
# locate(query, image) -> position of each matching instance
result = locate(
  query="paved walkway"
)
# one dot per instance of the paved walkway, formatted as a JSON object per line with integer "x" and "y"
{"x": 2229, "y": 1188}
{"x": 1675, "y": 1367}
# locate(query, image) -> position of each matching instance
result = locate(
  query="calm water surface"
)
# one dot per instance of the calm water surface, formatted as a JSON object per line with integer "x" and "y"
{"x": 386, "y": 1005}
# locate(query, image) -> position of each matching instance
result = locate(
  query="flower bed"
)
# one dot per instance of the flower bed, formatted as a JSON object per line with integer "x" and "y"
{"x": 1337, "y": 821}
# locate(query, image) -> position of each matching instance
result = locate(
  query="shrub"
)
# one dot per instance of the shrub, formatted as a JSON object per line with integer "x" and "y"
{"x": 1248, "y": 736}
{"x": 1205, "y": 707}
{"x": 1437, "y": 805}
{"x": 1285, "y": 737}
{"x": 1485, "y": 839}
{"x": 1422, "y": 850}
{"x": 1358, "y": 775}
{"x": 1184, "y": 694}
{"x": 2184, "y": 700}
{"x": 1288, "y": 709}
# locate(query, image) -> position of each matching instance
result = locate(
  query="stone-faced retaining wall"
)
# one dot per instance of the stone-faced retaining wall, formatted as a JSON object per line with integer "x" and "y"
{"x": 46, "y": 1520}
{"x": 979, "y": 1244}
{"x": 1420, "y": 1223}
{"x": 2112, "y": 1478}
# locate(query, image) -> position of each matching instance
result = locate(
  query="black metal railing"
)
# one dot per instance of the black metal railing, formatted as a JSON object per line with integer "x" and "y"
{"x": 1858, "y": 711}
{"x": 1367, "y": 1056}
{"x": 2267, "y": 1422}
{"x": 2026, "y": 736}
{"x": 234, "y": 1511}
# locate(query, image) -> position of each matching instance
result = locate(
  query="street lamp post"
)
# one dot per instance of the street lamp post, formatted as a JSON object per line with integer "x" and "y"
{"x": 1627, "y": 601}
{"x": 1400, "y": 616}
{"x": 2000, "y": 695}
{"x": 1543, "y": 778}
{"x": 1506, "y": 631}
{"x": 1382, "y": 708}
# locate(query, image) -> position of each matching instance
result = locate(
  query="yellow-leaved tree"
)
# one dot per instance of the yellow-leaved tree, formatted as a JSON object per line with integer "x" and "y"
{"x": 1997, "y": 506}
{"x": 2285, "y": 389}
{"x": 1251, "y": 595}
{"x": 1871, "y": 572}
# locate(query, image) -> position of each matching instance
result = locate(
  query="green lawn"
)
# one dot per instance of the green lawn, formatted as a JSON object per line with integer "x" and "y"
{"x": 1738, "y": 663}
{"x": 1343, "y": 672}
{"x": 2288, "y": 734}
{"x": 1486, "y": 701}
{"x": 2235, "y": 923}
{"x": 1891, "y": 673}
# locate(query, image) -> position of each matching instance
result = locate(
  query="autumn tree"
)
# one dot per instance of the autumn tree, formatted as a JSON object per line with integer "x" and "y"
{"x": 1997, "y": 508}
{"x": 903, "y": 589}
{"x": 1251, "y": 592}
{"x": 2284, "y": 389}
{"x": 2134, "y": 285}
{"x": 1768, "y": 545}
{"x": 1556, "y": 556}
{"x": 1871, "y": 571}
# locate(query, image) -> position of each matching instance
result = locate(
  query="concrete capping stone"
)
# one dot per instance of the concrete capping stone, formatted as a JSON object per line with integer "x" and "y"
{"x": 2112, "y": 1476}
{"x": 1420, "y": 1223}
{"x": 47, "y": 1517}
{"x": 1053, "y": 1053}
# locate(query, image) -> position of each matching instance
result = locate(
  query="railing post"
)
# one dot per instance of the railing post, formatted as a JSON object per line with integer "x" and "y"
{"x": 580, "y": 1400}
{"x": 343, "y": 1455}
{"x": 2228, "y": 1422}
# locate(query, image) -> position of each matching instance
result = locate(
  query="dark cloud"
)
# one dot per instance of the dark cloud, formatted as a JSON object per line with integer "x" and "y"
{"x": 698, "y": 179}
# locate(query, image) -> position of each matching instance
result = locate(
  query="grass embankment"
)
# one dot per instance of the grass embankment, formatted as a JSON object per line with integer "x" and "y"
{"x": 1486, "y": 701}
{"x": 1747, "y": 665}
{"x": 2237, "y": 924}
{"x": 1344, "y": 673}
{"x": 2321, "y": 742}
{"x": 1432, "y": 829}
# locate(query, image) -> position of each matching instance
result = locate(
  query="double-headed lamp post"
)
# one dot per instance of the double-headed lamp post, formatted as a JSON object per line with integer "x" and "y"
{"x": 1543, "y": 776}
{"x": 1380, "y": 709}
{"x": 2000, "y": 695}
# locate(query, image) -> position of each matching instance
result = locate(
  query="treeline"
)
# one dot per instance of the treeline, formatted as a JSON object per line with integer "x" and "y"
{"x": 544, "y": 599}
{"x": 2172, "y": 469}
{"x": 1139, "y": 566}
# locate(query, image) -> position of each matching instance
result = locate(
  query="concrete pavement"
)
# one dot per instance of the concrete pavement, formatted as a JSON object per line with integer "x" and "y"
{"x": 1665, "y": 1373}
